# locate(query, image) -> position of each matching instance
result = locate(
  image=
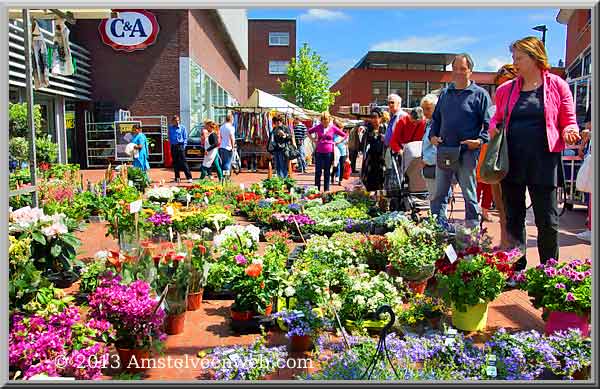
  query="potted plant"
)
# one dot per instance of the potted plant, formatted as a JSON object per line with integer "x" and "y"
{"x": 422, "y": 310}
{"x": 200, "y": 267}
{"x": 253, "y": 289}
{"x": 468, "y": 285}
{"x": 160, "y": 223}
{"x": 174, "y": 276}
{"x": 564, "y": 290}
{"x": 303, "y": 325}
{"x": 134, "y": 314}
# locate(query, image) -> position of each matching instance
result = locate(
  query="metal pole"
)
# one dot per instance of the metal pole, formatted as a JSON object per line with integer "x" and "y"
{"x": 544, "y": 36}
{"x": 29, "y": 92}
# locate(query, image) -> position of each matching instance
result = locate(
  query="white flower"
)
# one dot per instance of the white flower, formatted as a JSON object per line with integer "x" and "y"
{"x": 257, "y": 261}
{"x": 360, "y": 300}
{"x": 54, "y": 230}
{"x": 289, "y": 291}
{"x": 102, "y": 255}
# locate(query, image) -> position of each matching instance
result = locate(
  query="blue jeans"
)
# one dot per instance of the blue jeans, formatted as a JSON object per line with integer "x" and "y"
{"x": 226, "y": 158}
{"x": 467, "y": 179}
{"x": 281, "y": 164}
{"x": 323, "y": 162}
{"x": 339, "y": 173}
{"x": 301, "y": 157}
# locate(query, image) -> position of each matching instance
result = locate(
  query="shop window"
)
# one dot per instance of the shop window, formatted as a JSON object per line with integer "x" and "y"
{"x": 379, "y": 92}
{"x": 279, "y": 39}
{"x": 415, "y": 66}
{"x": 399, "y": 88}
{"x": 436, "y": 68}
{"x": 278, "y": 67}
{"x": 436, "y": 87}
{"x": 581, "y": 101}
{"x": 416, "y": 92}
{"x": 587, "y": 64}
{"x": 575, "y": 70}
{"x": 397, "y": 66}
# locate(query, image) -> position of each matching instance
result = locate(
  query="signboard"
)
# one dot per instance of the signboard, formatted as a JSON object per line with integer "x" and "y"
{"x": 134, "y": 29}
{"x": 69, "y": 119}
{"x": 355, "y": 108}
{"x": 123, "y": 136}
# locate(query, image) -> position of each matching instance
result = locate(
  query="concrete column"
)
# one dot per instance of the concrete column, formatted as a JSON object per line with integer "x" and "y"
{"x": 60, "y": 128}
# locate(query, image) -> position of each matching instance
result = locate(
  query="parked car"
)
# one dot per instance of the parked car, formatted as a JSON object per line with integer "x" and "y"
{"x": 194, "y": 151}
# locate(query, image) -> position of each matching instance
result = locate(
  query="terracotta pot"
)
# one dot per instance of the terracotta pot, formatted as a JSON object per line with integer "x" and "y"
{"x": 133, "y": 360}
{"x": 195, "y": 300}
{"x": 434, "y": 322}
{"x": 561, "y": 321}
{"x": 300, "y": 343}
{"x": 241, "y": 315}
{"x": 417, "y": 286}
{"x": 174, "y": 324}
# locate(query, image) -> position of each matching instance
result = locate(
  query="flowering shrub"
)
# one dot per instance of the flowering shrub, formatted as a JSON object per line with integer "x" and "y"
{"x": 341, "y": 250}
{"x": 303, "y": 320}
{"x": 421, "y": 308}
{"x": 60, "y": 345}
{"x": 247, "y": 196}
{"x": 471, "y": 281}
{"x": 160, "y": 222}
{"x": 24, "y": 279}
{"x": 131, "y": 311}
{"x": 375, "y": 250}
{"x": 238, "y": 238}
{"x": 562, "y": 287}
{"x": 572, "y": 351}
{"x": 162, "y": 194}
{"x": 290, "y": 221}
{"x": 255, "y": 287}
{"x": 333, "y": 216}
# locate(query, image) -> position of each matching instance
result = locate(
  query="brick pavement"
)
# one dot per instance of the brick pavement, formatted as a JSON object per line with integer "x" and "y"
{"x": 208, "y": 327}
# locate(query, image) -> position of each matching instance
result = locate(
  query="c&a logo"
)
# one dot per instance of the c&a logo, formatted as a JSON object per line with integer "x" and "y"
{"x": 134, "y": 29}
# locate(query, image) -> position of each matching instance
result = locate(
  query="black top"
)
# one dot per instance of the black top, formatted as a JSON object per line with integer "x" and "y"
{"x": 373, "y": 161}
{"x": 213, "y": 140}
{"x": 530, "y": 161}
{"x": 280, "y": 141}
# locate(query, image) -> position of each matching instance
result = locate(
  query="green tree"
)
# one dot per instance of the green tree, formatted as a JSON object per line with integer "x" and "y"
{"x": 17, "y": 117}
{"x": 308, "y": 83}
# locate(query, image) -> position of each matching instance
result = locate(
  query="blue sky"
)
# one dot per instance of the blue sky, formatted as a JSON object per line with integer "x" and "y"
{"x": 343, "y": 36}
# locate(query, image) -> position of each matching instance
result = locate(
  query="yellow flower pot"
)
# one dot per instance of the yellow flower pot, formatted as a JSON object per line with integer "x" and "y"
{"x": 474, "y": 319}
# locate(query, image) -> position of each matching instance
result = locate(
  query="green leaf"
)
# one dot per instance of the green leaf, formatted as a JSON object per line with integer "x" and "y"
{"x": 39, "y": 237}
{"x": 56, "y": 250}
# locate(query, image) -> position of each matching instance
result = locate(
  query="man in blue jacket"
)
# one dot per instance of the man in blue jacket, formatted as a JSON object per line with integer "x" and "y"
{"x": 459, "y": 127}
{"x": 178, "y": 140}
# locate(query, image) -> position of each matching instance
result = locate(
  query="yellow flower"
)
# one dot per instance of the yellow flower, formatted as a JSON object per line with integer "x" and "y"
{"x": 411, "y": 320}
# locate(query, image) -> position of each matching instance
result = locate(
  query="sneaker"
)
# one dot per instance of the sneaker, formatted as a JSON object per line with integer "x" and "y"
{"x": 585, "y": 235}
{"x": 190, "y": 180}
{"x": 177, "y": 180}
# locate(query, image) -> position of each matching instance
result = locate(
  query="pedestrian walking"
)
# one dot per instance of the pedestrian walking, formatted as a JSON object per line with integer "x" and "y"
{"x": 178, "y": 137}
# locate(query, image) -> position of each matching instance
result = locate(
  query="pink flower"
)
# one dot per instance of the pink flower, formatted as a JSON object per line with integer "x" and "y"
{"x": 240, "y": 259}
{"x": 570, "y": 297}
{"x": 550, "y": 271}
{"x": 54, "y": 230}
{"x": 559, "y": 285}
{"x": 551, "y": 262}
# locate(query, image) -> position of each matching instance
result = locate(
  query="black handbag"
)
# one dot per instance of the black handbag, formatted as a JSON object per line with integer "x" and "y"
{"x": 448, "y": 157}
{"x": 291, "y": 152}
{"x": 429, "y": 172}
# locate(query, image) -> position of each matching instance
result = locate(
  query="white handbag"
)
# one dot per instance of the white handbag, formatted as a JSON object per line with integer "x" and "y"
{"x": 585, "y": 176}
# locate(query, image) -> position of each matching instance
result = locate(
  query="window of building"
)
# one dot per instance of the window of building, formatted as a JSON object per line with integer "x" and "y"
{"x": 575, "y": 70}
{"x": 581, "y": 99}
{"x": 416, "y": 91}
{"x": 437, "y": 68}
{"x": 379, "y": 92}
{"x": 378, "y": 66}
{"x": 436, "y": 87}
{"x": 399, "y": 88}
{"x": 206, "y": 95}
{"x": 416, "y": 66}
{"x": 587, "y": 64}
{"x": 398, "y": 66}
{"x": 279, "y": 39}
{"x": 278, "y": 67}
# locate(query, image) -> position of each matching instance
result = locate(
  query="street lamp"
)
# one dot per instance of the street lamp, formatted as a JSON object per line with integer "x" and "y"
{"x": 543, "y": 29}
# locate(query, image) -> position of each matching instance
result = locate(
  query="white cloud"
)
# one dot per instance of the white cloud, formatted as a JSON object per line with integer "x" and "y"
{"x": 426, "y": 44}
{"x": 547, "y": 16}
{"x": 494, "y": 63}
{"x": 314, "y": 14}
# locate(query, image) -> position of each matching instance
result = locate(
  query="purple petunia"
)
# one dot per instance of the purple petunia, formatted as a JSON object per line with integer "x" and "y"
{"x": 240, "y": 259}
{"x": 560, "y": 285}
{"x": 160, "y": 219}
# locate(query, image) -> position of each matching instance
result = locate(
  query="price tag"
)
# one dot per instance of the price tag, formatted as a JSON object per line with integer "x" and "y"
{"x": 135, "y": 206}
{"x": 130, "y": 183}
{"x": 206, "y": 200}
{"x": 451, "y": 331}
{"x": 449, "y": 341}
{"x": 451, "y": 253}
{"x": 242, "y": 186}
{"x": 188, "y": 197}
{"x": 170, "y": 211}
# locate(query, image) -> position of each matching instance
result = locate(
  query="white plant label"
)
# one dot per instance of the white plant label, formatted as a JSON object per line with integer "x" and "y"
{"x": 135, "y": 206}
{"x": 451, "y": 253}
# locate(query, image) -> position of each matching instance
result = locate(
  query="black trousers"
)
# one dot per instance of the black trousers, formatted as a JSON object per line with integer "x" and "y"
{"x": 353, "y": 156}
{"x": 543, "y": 200}
{"x": 179, "y": 161}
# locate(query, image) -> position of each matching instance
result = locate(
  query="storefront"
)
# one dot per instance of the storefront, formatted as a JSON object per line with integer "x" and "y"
{"x": 152, "y": 64}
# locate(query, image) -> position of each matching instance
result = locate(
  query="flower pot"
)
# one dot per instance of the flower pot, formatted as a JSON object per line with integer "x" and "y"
{"x": 133, "y": 360}
{"x": 300, "y": 343}
{"x": 561, "y": 321}
{"x": 474, "y": 319}
{"x": 434, "y": 322}
{"x": 269, "y": 309}
{"x": 241, "y": 315}
{"x": 64, "y": 279}
{"x": 174, "y": 324}
{"x": 195, "y": 300}
{"x": 583, "y": 374}
{"x": 417, "y": 287}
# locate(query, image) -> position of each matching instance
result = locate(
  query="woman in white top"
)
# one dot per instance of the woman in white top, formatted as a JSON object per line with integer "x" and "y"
{"x": 211, "y": 150}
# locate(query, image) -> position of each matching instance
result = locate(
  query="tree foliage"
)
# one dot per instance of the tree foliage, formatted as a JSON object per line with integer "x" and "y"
{"x": 17, "y": 114}
{"x": 307, "y": 81}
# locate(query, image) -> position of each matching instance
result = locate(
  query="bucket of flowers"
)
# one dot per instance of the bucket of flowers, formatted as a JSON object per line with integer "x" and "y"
{"x": 564, "y": 290}
{"x": 253, "y": 288}
{"x": 160, "y": 224}
{"x": 200, "y": 266}
{"x": 304, "y": 323}
{"x": 421, "y": 311}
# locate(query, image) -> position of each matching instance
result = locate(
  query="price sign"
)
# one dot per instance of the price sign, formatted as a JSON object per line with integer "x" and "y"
{"x": 123, "y": 136}
{"x": 451, "y": 253}
{"x": 206, "y": 200}
{"x": 135, "y": 207}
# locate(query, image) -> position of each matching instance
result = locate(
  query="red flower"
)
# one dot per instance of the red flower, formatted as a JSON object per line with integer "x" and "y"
{"x": 202, "y": 249}
{"x": 254, "y": 270}
{"x": 262, "y": 285}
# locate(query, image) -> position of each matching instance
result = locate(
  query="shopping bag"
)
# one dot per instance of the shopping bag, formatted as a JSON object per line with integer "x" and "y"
{"x": 495, "y": 162}
{"x": 585, "y": 175}
{"x": 347, "y": 170}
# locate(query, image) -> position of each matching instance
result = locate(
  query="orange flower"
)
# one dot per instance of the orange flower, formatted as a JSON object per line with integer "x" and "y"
{"x": 197, "y": 195}
{"x": 188, "y": 243}
{"x": 262, "y": 285}
{"x": 115, "y": 260}
{"x": 254, "y": 270}
{"x": 202, "y": 249}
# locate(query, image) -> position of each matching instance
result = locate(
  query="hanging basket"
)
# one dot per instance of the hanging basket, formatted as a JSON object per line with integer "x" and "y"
{"x": 474, "y": 319}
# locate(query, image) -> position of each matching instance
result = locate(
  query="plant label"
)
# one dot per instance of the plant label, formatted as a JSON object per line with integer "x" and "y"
{"x": 491, "y": 371}
{"x": 206, "y": 200}
{"x": 135, "y": 206}
{"x": 451, "y": 331}
{"x": 242, "y": 186}
{"x": 451, "y": 253}
{"x": 170, "y": 211}
{"x": 188, "y": 197}
{"x": 449, "y": 341}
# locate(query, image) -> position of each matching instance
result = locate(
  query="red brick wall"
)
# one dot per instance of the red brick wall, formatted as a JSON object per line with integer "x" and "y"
{"x": 208, "y": 49}
{"x": 260, "y": 53}
{"x": 579, "y": 35}
{"x": 146, "y": 82}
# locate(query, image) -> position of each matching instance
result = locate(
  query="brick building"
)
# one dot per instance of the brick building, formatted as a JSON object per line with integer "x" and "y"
{"x": 271, "y": 45}
{"x": 198, "y": 63}
{"x": 410, "y": 75}
{"x": 578, "y": 62}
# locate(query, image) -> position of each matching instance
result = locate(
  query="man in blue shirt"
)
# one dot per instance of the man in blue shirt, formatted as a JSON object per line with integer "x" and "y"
{"x": 460, "y": 122}
{"x": 178, "y": 141}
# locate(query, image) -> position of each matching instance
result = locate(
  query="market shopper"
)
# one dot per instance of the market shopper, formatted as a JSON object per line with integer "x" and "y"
{"x": 373, "y": 147}
{"x": 540, "y": 121}
{"x": 280, "y": 137}
{"x": 227, "y": 132}
{"x": 584, "y": 149}
{"x": 325, "y": 132}
{"x": 178, "y": 140}
{"x": 341, "y": 143}
{"x": 211, "y": 150}
{"x": 140, "y": 159}
{"x": 459, "y": 127}
{"x": 394, "y": 105}
{"x": 299, "y": 136}
{"x": 353, "y": 147}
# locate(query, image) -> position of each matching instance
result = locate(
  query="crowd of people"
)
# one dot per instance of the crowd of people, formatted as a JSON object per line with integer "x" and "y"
{"x": 453, "y": 127}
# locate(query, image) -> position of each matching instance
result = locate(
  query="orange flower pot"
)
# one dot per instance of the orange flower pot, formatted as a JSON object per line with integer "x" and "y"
{"x": 194, "y": 300}
{"x": 241, "y": 315}
{"x": 133, "y": 360}
{"x": 417, "y": 286}
{"x": 174, "y": 324}
{"x": 269, "y": 309}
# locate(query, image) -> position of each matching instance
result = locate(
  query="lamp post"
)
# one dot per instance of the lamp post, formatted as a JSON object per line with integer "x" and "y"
{"x": 543, "y": 29}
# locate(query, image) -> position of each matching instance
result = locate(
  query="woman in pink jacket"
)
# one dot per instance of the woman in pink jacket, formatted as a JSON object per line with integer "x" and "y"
{"x": 325, "y": 131}
{"x": 540, "y": 121}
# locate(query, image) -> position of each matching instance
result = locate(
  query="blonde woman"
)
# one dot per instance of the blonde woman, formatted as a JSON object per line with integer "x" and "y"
{"x": 325, "y": 131}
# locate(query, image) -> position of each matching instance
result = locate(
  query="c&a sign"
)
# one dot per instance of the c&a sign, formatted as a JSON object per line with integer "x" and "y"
{"x": 134, "y": 29}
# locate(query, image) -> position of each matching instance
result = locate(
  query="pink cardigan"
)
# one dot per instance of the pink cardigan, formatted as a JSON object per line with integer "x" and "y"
{"x": 559, "y": 107}
{"x": 325, "y": 139}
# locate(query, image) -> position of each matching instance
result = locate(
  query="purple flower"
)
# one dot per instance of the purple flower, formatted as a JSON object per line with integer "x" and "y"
{"x": 570, "y": 297}
{"x": 160, "y": 219}
{"x": 240, "y": 259}
{"x": 560, "y": 285}
{"x": 550, "y": 271}
{"x": 551, "y": 262}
